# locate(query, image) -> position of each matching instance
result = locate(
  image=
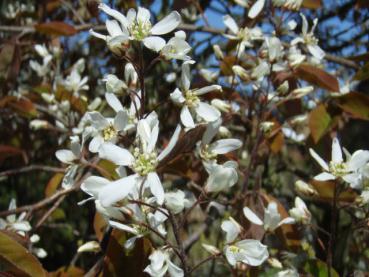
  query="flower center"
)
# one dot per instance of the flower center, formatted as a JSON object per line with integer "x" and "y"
{"x": 310, "y": 39}
{"x": 144, "y": 162}
{"x": 109, "y": 132}
{"x": 234, "y": 249}
{"x": 206, "y": 154}
{"x": 338, "y": 169}
{"x": 191, "y": 99}
{"x": 244, "y": 34}
{"x": 140, "y": 29}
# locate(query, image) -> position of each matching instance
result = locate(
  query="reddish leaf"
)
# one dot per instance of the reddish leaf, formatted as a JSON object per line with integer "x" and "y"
{"x": 19, "y": 257}
{"x": 312, "y": 4}
{"x": 326, "y": 191}
{"x": 356, "y": 104}
{"x": 57, "y": 28}
{"x": 318, "y": 77}
{"x": 7, "y": 151}
{"x": 99, "y": 226}
{"x": 22, "y": 105}
{"x": 319, "y": 122}
{"x": 67, "y": 271}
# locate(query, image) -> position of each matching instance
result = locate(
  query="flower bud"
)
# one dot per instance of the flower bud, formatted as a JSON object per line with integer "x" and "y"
{"x": 224, "y": 132}
{"x": 305, "y": 188}
{"x": 118, "y": 45}
{"x": 94, "y": 104}
{"x": 38, "y": 124}
{"x": 241, "y": 72}
{"x": 283, "y": 88}
{"x": 301, "y": 92}
{"x": 221, "y": 105}
{"x": 218, "y": 52}
{"x": 275, "y": 263}
{"x": 211, "y": 249}
{"x": 91, "y": 246}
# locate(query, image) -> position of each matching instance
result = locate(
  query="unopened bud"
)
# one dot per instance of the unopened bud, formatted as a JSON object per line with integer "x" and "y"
{"x": 114, "y": 84}
{"x": 94, "y": 104}
{"x": 241, "y": 72}
{"x": 91, "y": 246}
{"x": 211, "y": 249}
{"x": 37, "y": 124}
{"x": 305, "y": 188}
{"x": 218, "y": 52}
{"x": 221, "y": 105}
{"x": 224, "y": 132}
{"x": 275, "y": 263}
{"x": 301, "y": 92}
{"x": 283, "y": 88}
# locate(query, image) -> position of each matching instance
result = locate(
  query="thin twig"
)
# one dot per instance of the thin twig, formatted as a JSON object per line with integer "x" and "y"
{"x": 31, "y": 168}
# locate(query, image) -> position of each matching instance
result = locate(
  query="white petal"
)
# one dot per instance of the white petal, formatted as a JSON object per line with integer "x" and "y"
{"x": 207, "y": 112}
{"x": 116, "y": 154}
{"x": 287, "y": 220}
{"x": 97, "y": 120}
{"x": 92, "y": 32}
{"x": 250, "y": 215}
{"x": 121, "y": 120}
{"x": 117, "y": 190}
{"x": 113, "y": 102}
{"x": 156, "y": 187}
{"x": 171, "y": 144}
{"x": 324, "y": 177}
{"x": 255, "y": 253}
{"x": 358, "y": 160}
{"x": 320, "y": 161}
{"x": 65, "y": 156}
{"x": 336, "y": 151}
{"x": 95, "y": 144}
{"x": 167, "y": 24}
{"x": 231, "y": 228}
{"x": 117, "y": 15}
{"x": 186, "y": 118}
{"x": 223, "y": 146}
{"x": 316, "y": 51}
{"x": 154, "y": 43}
{"x": 174, "y": 270}
{"x": 305, "y": 24}
{"x": 153, "y": 137}
{"x": 143, "y": 14}
{"x": 211, "y": 130}
{"x": 207, "y": 89}
{"x": 231, "y": 24}
{"x": 353, "y": 179}
{"x": 144, "y": 131}
{"x": 256, "y": 8}
{"x": 93, "y": 184}
{"x": 123, "y": 227}
{"x": 177, "y": 97}
{"x": 185, "y": 76}
{"x": 113, "y": 28}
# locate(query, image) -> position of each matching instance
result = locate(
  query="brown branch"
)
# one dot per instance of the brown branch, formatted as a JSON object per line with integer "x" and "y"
{"x": 31, "y": 168}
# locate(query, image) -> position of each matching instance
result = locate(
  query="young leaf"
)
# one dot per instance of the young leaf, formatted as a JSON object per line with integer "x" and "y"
{"x": 56, "y": 28}
{"x": 19, "y": 257}
{"x": 356, "y": 104}
{"x": 319, "y": 121}
{"x": 318, "y": 77}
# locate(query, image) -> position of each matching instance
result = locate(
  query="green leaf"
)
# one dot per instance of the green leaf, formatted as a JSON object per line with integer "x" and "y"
{"x": 318, "y": 268}
{"x": 356, "y": 104}
{"x": 19, "y": 257}
{"x": 319, "y": 121}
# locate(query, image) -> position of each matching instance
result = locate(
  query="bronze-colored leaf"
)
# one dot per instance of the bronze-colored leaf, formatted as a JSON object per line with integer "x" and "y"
{"x": 56, "y": 28}
{"x": 53, "y": 184}
{"x": 318, "y": 77}
{"x": 19, "y": 257}
{"x": 319, "y": 122}
{"x": 356, "y": 104}
{"x": 312, "y": 4}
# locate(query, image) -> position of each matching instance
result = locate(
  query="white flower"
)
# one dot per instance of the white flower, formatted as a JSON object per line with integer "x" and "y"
{"x": 349, "y": 171}
{"x": 209, "y": 151}
{"x": 309, "y": 39}
{"x": 190, "y": 101}
{"x": 160, "y": 263}
{"x": 108, "y": 129}
{"x": 272, "y": 218}
{"x": 300, "y": 212}
{"x": 245, "y": 35}
{"x": 90, "y": 246}
{"x": 136, "y": 230}
{"x": 75, "y": 82}
{"x": 143, "y": 163}
{"x": 176, "y": 47}
{"x": 70, "y": 156}
{"x": 176, "y": 201}
{"x": 137, "y": 26}
{"x": 41, "y": 69}
{"x": 232, "y": 229}
{"x": 248, "y": 251}
{"x": 221, "y": 176}
{"x": 114, "y": 84}
{"x": 12, "y": 223}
